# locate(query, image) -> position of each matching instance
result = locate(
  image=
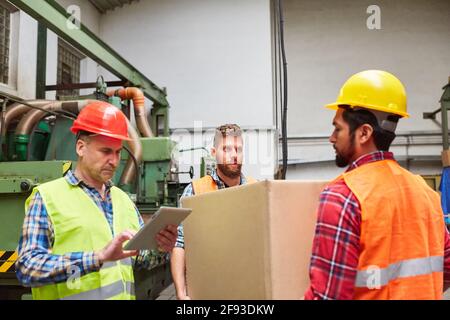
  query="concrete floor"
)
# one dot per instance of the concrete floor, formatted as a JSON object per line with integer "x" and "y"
{"x": 169, "y": 294}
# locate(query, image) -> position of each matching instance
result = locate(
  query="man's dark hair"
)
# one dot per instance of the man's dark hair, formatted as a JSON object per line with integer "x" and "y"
{"x": 84, "y": 135}
{"x": 356, "y": 118}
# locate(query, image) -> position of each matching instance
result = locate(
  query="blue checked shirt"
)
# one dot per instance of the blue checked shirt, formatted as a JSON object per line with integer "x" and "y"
{"x": 36, "y": 265}
{"x": 189, "y": 191}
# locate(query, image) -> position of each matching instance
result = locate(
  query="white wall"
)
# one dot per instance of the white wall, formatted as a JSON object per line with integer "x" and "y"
{"x": 327, "y": 41}
{"x": 90, "y": 16}
{"x": 26, "y": 68}
{"x": 52, "y": 62}
{"x": 214, "y": 57}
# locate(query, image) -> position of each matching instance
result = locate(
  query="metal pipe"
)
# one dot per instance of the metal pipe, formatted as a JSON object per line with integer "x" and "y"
{"x": 444, "y": 118}
{"x": 129, "y": 172}
{"x": 431, "y": 115}
{"x": 401, "y": 134}
{"x": 445, "y": 104}
{"x": 18, "y": 109}
{"x": 138, "y": 98}
{"x": 29, "y": 121}
{"x": 41, "y": 61}
{"x": 85, "y": 85}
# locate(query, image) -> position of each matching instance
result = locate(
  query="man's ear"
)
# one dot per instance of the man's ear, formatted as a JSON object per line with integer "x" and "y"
{"x": 365, "y": 133}
{"x": 214, "y": 155}
{"x": 80, "y": 147}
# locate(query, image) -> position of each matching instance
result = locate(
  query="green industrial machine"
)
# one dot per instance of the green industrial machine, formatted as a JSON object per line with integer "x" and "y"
{"x": 16, "y": 181}
{"x": 37, "y": 145}
{"x": 49, "y": 151}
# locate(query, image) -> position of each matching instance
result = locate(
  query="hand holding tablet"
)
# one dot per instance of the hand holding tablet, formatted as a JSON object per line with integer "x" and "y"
{"x": 145, "y": 237}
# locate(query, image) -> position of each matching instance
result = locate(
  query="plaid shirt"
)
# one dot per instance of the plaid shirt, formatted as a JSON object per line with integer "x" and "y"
{"x": 36, "y": 265}
{"x": 336, "y": 244}
{"x": 189, "y": 191}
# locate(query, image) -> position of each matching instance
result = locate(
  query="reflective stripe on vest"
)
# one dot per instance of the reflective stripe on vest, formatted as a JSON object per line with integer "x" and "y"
{"x": 403, "y": 269}
{"x": 125, "y": 262}
{"x": 104, "y": 293}
{"x": 80, "y": 226}
{"x": 207, "y": 184}
{"x": 402, "y": 230}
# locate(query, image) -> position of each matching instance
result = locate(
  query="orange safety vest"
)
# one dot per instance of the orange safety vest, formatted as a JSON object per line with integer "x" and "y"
{"x": 402, "y": 234}
{"x": 207, "y": 184}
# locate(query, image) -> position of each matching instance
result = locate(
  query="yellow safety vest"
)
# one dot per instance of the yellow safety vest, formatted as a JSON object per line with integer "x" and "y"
{"x": 207, "y": 184}
{"x": 80, "y": 226}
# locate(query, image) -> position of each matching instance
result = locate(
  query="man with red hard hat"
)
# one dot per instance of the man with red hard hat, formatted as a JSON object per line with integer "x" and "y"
{"x": 71, "y": 245}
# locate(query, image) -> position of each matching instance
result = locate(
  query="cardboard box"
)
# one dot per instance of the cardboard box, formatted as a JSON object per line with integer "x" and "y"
{"x": 252, "y": 241}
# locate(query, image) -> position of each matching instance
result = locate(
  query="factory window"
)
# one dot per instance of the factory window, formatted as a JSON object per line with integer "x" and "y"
{"x": 69, "y": 61}
{"x": 5, "y": 28}
{"x": 6, "y": 11}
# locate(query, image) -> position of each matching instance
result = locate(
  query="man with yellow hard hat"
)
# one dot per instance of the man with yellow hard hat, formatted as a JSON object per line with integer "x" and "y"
{"x": 380, "y": 231}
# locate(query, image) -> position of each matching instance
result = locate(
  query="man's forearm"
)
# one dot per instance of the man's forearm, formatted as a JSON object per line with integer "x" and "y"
{"x": 178, "y": 269}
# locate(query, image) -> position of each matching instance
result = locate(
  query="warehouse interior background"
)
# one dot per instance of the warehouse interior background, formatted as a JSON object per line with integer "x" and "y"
{"x": 220, "y": 62}
{"x": 216, "y": 59}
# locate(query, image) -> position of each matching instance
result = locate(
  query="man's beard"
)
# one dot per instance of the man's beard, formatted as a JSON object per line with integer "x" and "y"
{"x": 343, "y": 160}
{"x": 229, "y": 172}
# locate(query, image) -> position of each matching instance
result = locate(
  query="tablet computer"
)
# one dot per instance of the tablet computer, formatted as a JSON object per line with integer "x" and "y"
{"x": 144, "y": 239}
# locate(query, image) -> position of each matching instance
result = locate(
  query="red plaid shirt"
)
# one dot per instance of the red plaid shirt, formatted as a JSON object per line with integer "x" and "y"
{"x": 336, "y": 243}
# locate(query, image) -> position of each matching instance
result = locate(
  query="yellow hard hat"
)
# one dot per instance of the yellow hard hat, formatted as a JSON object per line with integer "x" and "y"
{"x": 374, "y": 90}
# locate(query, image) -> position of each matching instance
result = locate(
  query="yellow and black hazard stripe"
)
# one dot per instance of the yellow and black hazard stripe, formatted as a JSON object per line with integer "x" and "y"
{"x": 8, "y": 261}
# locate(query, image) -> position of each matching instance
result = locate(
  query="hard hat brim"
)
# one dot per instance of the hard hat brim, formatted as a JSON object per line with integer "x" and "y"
{"x": 335, "y": 106}
{"x": 99, "y": 132}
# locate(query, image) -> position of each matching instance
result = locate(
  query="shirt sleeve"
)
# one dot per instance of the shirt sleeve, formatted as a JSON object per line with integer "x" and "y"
{"x": 36, "y": 265}
{"x": 336, "y": 245}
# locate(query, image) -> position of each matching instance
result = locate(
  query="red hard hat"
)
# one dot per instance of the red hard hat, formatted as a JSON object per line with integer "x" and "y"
{"x": 102, "y": 118}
